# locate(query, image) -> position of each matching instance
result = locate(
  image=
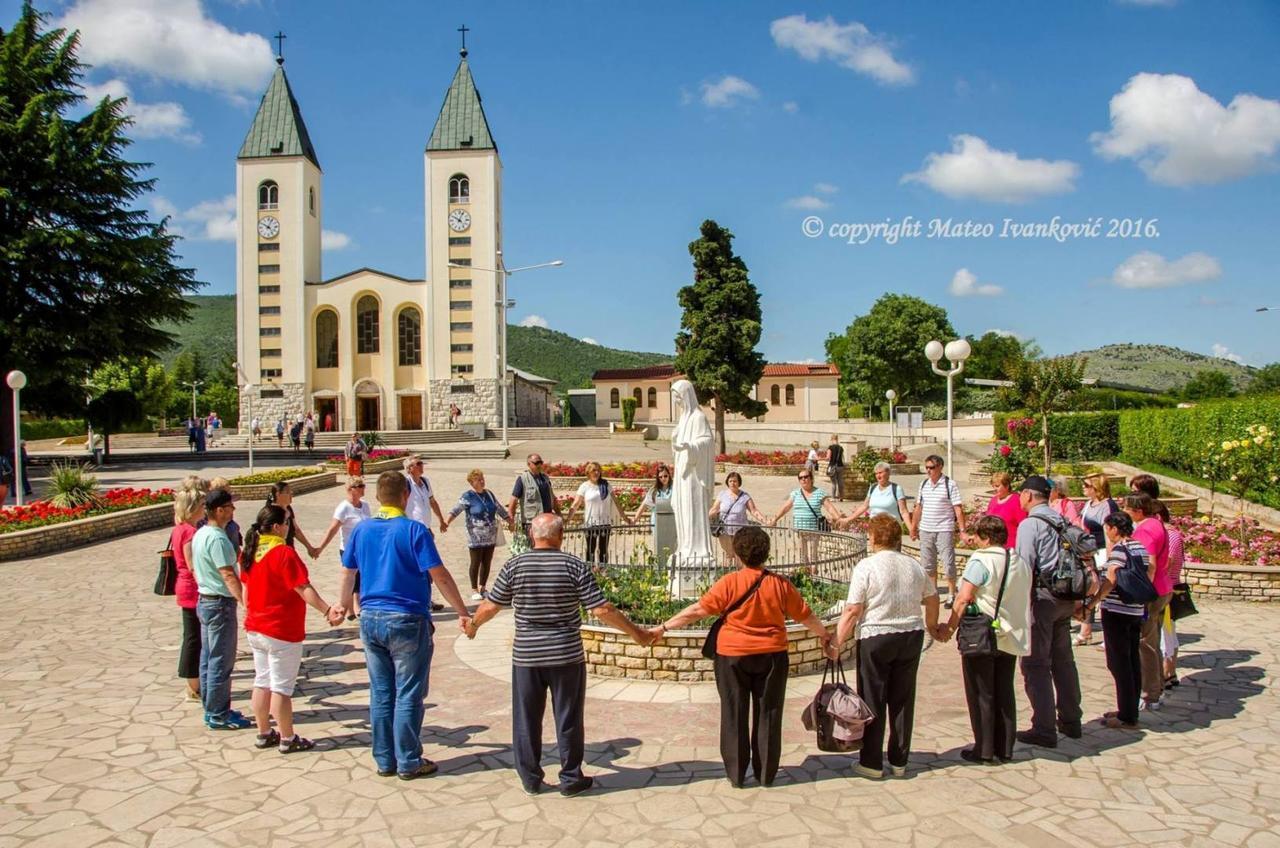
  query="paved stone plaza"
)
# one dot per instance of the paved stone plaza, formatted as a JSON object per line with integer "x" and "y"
{"x": 97, "y": 746}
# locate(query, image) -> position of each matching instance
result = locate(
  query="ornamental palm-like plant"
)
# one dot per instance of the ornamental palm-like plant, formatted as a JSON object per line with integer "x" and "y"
{"x": 72, "y": 484}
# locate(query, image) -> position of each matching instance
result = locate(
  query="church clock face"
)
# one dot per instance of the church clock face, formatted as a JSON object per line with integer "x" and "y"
{"x": 459, "y": 220}
{"x": 268, "y": 227}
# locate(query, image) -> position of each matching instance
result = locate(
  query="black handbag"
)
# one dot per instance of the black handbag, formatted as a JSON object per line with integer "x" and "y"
{"x": 713, "y": 634}
{"x": 167, "y": 576}
{"x": 976, "y": 635}
{"x": 717, "y": 529}
{"x": 1181, "y": 604}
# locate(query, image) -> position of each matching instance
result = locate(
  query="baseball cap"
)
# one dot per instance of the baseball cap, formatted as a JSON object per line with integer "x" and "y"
{"x": 216, "y": 498}
{"x": 1035, "y": 483}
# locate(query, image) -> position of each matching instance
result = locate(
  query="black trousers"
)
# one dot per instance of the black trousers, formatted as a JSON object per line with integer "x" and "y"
{"x": 598, "y": 543}
{"x": 189, "y": 652}
{"x": 529, "y": 687}
{"x": 752, "y": 690}
{"x": 1049, "y": 671}
{"x": 1122, "y": 638}
{"x": 481, "y": 560}
{"x": 993, "y": 712}
{"x": 887, "y": 667}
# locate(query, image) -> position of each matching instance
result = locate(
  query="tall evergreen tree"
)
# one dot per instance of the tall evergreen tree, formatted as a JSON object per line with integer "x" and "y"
{"x": 85, "y": 276}
{"x": 720, "y": 328}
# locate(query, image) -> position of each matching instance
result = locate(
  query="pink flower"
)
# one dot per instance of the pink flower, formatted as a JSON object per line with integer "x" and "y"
{"x": 1005, "y": 450}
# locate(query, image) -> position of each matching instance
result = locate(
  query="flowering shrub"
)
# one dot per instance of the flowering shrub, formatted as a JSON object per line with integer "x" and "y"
{"x": 865, "y": 461}
{"x": 627, "y": 499}
{"x": 374, "y": 455}
{"x": 1239, "y": 542}
{"x": 42, "y": 513}
{"x": 275, "y": 475}
{"x": 1014, "y": 453}
{"x": 610, "y": 470}
{"x": 766, "y": 457}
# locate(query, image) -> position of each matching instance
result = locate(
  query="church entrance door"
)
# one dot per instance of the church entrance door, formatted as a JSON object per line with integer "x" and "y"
{"x": 328, "y": 410}
{"x": 410, "y": 412}
{"x": 367, "y": 413}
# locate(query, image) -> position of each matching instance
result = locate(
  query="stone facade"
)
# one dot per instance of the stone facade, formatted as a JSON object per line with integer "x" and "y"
{"x": 86, "y": 531}
{"x": 270, "y": 409}
{"x": 478, "y": 400}
{"x": 679, "y": 655}
{"x": 1233, "y": 582}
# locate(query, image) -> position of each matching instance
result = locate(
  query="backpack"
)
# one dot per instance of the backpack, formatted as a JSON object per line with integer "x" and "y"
{"x": 1132, "y": 584}
{"x": 1069, "y": 580}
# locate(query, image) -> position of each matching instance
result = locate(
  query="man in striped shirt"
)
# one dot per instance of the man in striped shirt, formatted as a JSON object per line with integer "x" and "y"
{"x": 937, "y": 518}
{"x": 547, "y": 588}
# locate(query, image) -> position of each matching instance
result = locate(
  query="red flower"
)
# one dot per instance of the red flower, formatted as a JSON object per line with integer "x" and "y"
{"x": 1005, "y": 450}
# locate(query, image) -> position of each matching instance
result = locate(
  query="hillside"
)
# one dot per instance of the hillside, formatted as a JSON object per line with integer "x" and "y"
{"x": 547, "y": 353}
{"x": 1157, "y": 367}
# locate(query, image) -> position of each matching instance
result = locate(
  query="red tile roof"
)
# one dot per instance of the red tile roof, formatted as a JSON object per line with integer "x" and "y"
{"x": 800, "y": 369}
{"x": 647, "y": 372}
{"x": 664, "y": 372}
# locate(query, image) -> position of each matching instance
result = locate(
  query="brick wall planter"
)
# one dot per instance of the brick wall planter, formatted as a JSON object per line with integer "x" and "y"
{"x": 679, "y": 656}
{"x": 370, "y": 468}
{"x": 762, "y": 470}
{"x": 1260, "y": 584}
{"x": 86, "y": 531}
{"x": 298, "y": 485}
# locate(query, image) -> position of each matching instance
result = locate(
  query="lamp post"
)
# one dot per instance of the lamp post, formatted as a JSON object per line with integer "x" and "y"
{"x": 17, "y": 382}
{"x": 503, "y": 304}
{"x": 244, "y": 388}
{"x": 956, "y": 352}
{"x": 891, "y": 396}
{"x": 193, "y": 385}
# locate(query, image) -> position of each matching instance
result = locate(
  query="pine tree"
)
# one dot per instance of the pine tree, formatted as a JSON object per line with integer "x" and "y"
{"x": 85, "y": 276}
{"x": 716, "y": 345}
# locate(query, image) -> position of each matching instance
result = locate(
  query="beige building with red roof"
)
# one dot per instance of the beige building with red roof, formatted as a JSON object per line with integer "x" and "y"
{"x": 794, "y": 391}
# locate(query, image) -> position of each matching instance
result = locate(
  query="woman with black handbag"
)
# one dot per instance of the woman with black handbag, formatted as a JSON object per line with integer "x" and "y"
{"x": 188, "y": 510}
{"x": 811, "y": 511}
{"x": 991, "y": 614}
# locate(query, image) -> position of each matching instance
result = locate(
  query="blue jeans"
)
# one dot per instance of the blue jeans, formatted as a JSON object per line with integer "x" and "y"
{"x": 218, "y": 631}
{"x": 397, "y": 651}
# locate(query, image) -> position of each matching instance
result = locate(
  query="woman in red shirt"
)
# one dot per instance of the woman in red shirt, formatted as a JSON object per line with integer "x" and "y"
{"x": 188, "y": 510}
{"x": 277, "y": 591}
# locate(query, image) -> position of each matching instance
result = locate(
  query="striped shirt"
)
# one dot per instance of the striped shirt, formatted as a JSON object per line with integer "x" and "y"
{"x": 1140, "y": 559}
{"x": 546, "y": 588}
{"x": 806, "y": 509}
{"x": 937, "y": 504}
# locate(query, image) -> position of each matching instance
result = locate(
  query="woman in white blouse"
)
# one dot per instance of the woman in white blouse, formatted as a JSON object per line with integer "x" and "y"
{"x": 595, "y": 498}
{"x": 885, "y": 596}
{"x": 346, "y": 516}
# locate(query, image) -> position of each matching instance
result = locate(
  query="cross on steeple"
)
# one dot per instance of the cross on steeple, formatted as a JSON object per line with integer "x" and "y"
{"x": 280, "y": 37}
{"x": 464, "y": 30}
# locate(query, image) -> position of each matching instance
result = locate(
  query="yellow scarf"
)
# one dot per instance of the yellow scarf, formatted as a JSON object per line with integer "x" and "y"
{"x": 385, "y": 512}
{"x": 265, "y": 543}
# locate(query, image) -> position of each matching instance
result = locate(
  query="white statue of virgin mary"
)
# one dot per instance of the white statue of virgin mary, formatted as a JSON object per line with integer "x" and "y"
{"x": 692, "y": 444}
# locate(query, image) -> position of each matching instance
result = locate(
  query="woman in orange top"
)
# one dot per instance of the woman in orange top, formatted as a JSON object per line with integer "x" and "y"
{"x": 751, "y": 656}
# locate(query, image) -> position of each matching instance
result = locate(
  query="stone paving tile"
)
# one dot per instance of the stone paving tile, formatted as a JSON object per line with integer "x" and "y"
{"x": 98, "y": 748}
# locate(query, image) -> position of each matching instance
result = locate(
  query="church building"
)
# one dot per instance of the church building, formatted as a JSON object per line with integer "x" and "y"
{"x": 370, "y": 350}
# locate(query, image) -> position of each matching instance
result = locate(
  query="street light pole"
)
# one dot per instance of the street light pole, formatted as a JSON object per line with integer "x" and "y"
{"x": 956, "y": 351}
{"x": 17, "y": 382}
{"x": 193, "y": 384}
{"x": 891, "y": 395}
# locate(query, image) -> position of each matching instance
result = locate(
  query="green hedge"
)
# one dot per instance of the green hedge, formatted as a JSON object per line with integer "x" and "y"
{"x": 1176, "y": 437}
{"x": 1074, "y": 435}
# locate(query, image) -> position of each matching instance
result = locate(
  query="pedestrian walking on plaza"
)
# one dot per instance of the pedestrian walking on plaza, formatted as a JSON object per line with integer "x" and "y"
{"x": 1006, "y": 504}
{"x": 281, "y": 495}
{"x": 351, "y": 511}
{"x": 295, "y": 436}
{"x": 811, "y": 512}
{"x": 255, "y": 429}
{"x": 1149, "y": 530}
{"x": 355, "y": 453}
{"x": 277, "y": 592}
{"x": 191, "y": 434}
{"x": 595, "y": 497}
{"x": 729, "y": 513}
{"x": 811, "y": 459}
{"x": 280, "y": 433}
{"x": 659, "y": 492}
{"x": 213, "y": 562}
{"x": 398, "y": 564}
{"x": 1049, "y": 671}
{"x": 482, "y": 510}
{"x": 751, "y": 655}
{"x": 886, "y": 593}
{"x": 309, "y": 435}
{"x": 532, "y": 494}
{"x": 188, "y": 510}
{"x": 937, "y": 521}
{"x": 835, "y": 467}
{"x": 997, "y": 583}
{"x": 883, "y": 498}
{"x": 1098, "y": 505}
{"x": 548, "y": 588}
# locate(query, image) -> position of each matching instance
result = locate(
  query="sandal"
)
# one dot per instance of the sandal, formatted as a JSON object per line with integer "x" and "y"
{"x": 265, "y": 742}
{"x": 297, "y": 743}
{"x": 1171, "y": 681}
{"x": 1083, "y": 640}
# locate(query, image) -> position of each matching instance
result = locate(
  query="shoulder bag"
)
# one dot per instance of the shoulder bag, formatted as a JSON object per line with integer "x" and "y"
{"x": 1181, "y": 604}
{"x": 167, "y": 576}
{"x": 718, "y": 529}
{"x": 976, "y": 635}
{"x": 713, "y": 634}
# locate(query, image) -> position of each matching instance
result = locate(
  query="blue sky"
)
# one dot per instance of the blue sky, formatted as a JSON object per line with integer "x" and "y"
{"x": 622, "y": 126}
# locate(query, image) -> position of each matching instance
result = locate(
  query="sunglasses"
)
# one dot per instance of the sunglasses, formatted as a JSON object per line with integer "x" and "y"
{"x": 356, "y": 486}
{"x": 805, "y": 477}
{"x": 536, "y": 461}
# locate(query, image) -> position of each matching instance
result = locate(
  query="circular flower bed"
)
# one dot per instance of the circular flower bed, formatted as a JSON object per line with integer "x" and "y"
{"x": 42, "y": 513}
{"x": 1240, "y": 541}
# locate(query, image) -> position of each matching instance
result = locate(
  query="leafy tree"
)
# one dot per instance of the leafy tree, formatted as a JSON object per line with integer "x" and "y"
{"x": 112, "y": 410}
{"x": 84, "y": 273}
{"x": 1209, "y": 384}
{"x": 1266, "y": 380}
{"x": 884, "y": 349}
{"x": 993, "y": 352}
{"x": 720, "y": 328}
{"x": 1045, "y": 386}
{"x": 147, "y": 379}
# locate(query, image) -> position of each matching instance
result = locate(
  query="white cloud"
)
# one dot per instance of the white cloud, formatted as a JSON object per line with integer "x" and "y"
{"x": 728, "y": 91}
{"x": 1221, "y": 351}
{"x": 964, "y": 283}
{"x": 171, "y": 40}
{"x": 590, "y": 341}
{"x": 334, "y": 240}
{"x": 1006, "y": 333}
{"x": 1181, "y": 136}
{"x": 807, "y": 201}
{"x": 791, "y": 107}
{"x": 1147, "y": 270}
{"x": 209, "y": 220}
{"x": 534, "y": 321}
{"x": 150, "y": 120}
{"x": 975, "y": 170}
{"x": 850, "y": 45}
{"x": 825, "y": 188}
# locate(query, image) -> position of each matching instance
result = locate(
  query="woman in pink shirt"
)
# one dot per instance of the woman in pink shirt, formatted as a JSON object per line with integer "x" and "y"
{"x": 188, "y": 509}
{"x": 1169, "y": 635}
{"x": 1061, "y": 503}
{"x": 1149, "y": 530}
{"x": 1006, "y": 505}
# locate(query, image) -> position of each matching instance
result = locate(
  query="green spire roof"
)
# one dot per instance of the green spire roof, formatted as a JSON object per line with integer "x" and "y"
{"x": 462, "y": 125}
{"x": 278, "y": 129}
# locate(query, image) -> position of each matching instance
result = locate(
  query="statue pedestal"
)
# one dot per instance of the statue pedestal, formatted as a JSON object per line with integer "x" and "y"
{"x": 664, "y": 531}
{"x": 691, "y": 575}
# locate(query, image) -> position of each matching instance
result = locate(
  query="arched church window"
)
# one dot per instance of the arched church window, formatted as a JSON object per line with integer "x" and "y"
{"x": 410, "y": 336}
{"x": 775, "y": 395}
{"x": 638, "y": 396}
{"x": 311, "y": 200}
{"x": 791, "y": 395}
{"x": 459, "y": 189}
{"x": 614, "y": 399}
{"x": 269, "y": 195}
{"x": 367, "y": 324}
{"x": 653, "y": 398}
{"x": 327, "y": 339}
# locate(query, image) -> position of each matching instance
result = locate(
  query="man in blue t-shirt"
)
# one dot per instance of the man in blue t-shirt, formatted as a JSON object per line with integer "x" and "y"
{"x": 398, "y": 562}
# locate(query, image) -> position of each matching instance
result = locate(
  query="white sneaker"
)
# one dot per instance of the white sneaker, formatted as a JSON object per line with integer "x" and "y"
{"x": 862, "y": 771}
{"x": 476, "y": 596}
{"x": 1153, "y": 706}
{"x": 898, "y": 771}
